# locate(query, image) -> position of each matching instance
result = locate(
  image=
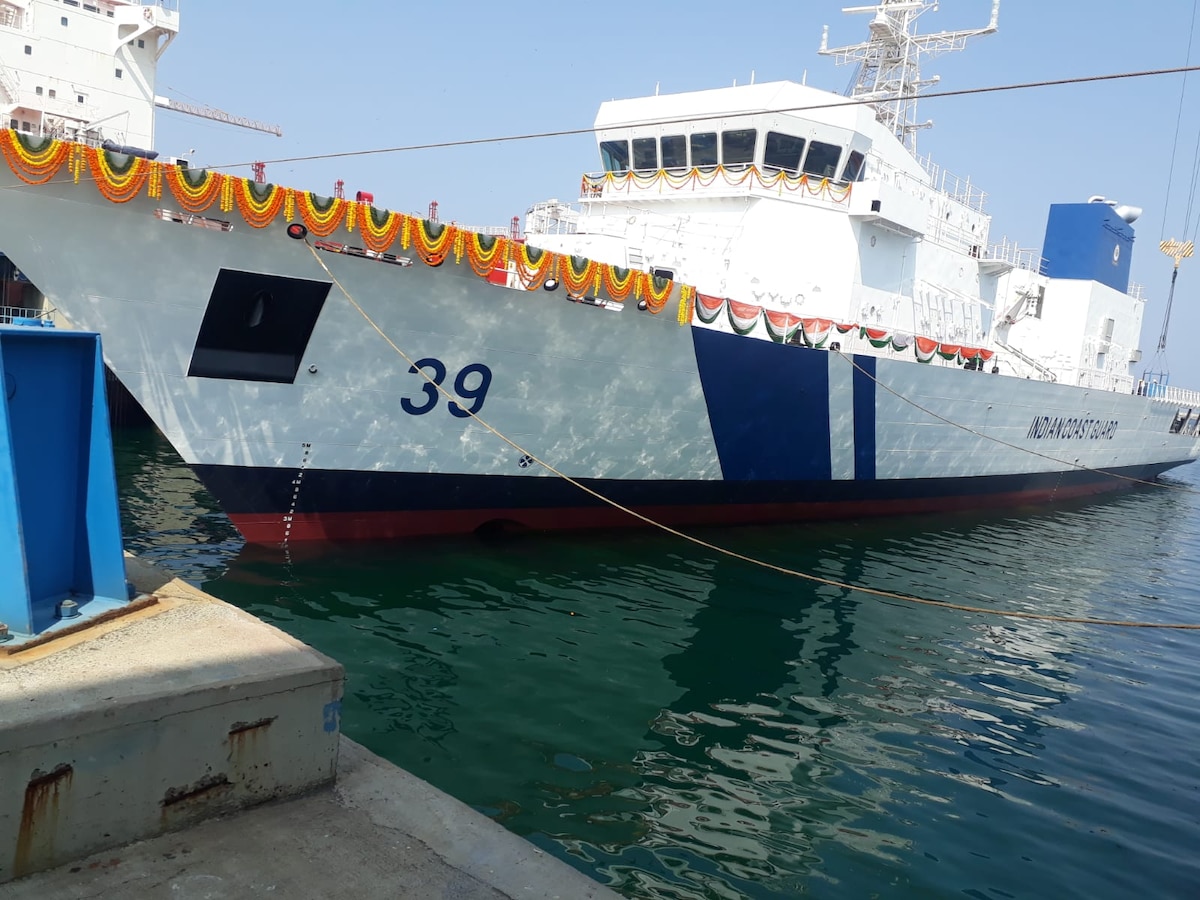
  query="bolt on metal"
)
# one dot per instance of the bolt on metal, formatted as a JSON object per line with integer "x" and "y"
{"x": 67, "y": 609}
{"x": 5, "y": 637}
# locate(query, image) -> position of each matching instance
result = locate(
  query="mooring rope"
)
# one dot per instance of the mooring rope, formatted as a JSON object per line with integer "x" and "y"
{"x": 725, "y": 551}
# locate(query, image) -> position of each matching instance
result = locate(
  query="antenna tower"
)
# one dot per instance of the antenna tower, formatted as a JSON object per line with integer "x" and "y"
{"x": 889, "y": 72}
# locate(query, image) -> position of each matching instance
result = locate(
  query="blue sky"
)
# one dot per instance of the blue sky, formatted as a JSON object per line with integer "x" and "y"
{"x": 361, "y": 75}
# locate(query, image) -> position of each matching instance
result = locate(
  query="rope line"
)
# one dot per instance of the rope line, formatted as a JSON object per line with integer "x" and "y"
{"x": 570, "y": 132}
{"x": 725, "y": 551}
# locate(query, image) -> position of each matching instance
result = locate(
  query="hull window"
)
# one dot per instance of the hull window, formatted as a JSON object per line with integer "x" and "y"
{"x": 257, "y": 327}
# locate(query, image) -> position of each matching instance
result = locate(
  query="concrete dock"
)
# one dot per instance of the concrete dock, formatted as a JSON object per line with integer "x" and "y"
{"x": 188, "y": 750}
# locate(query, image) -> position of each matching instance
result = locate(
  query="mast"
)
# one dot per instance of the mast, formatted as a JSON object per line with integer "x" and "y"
{"x": 889, "y": 72}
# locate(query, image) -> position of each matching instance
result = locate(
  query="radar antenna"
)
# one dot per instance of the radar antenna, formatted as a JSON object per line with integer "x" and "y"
{"x": 889, "y": 74}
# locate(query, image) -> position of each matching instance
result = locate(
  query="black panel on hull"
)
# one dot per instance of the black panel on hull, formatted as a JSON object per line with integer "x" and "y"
{"x": 256, "y": 327}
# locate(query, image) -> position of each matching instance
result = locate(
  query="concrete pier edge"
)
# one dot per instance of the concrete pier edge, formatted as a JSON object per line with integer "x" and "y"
{"x": 188, "y": 749}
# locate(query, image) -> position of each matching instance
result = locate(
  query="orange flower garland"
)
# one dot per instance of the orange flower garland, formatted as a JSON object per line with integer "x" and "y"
{"x": 533, "y": 274}
{"x": 433, "y": 250}
{"x": 119, "y": 187}
{"x": 655, "y": 298}
{"x": 378, "y": 238}
{"x": 482, "y": 261}
{"x": 34, "y": 166}
{"x": 579, "y": 283}
{"x": 258, "y": 213}
{"x": 196, "y": 191}
{"x": 194, "y": 198}
{"x": 321, "y": 222}
{"x": 616, "y": 286}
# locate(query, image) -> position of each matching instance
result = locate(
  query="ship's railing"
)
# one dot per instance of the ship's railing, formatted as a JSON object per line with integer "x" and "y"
{"x": 8, "y": 313}
{"x": 960, "y": 189}
{"x": 1167, "y": 392}
{"x": 1107, "y": 381}
{"x": 1137, "y": 291}
{"x": 1006, "y": 251}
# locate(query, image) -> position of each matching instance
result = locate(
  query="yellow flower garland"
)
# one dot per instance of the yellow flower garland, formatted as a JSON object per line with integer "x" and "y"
{"x": 119, "y": 188}
{"x": 36, "y": 167}
{"x": 379, "y": 238}
{"x": 432, "y": 251}
{"x": 533, "y": 274}
{"x": 321, "y": 222}
{"x": 194, "y": 198}
{"x": 258, "y": 213}
{"x": 481, "y": 261}
{"x": 39, "y": 167}
{"x": 579, "y": 283}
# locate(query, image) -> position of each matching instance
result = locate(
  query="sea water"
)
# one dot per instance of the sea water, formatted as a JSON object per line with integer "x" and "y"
{"x": 678, "y": 723}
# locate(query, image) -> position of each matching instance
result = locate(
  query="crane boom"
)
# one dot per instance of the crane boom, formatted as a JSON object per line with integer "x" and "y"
{"x": 208, "y": 112}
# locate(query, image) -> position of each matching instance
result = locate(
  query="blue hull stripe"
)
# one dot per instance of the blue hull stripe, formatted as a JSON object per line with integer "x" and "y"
{"x": 768, "y": 405}
{"x": 864, "y": 418}
{"x": 250, "y": 490}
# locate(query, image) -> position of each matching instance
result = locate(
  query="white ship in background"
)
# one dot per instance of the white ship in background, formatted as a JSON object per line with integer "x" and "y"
{"x": 765, "y": 307}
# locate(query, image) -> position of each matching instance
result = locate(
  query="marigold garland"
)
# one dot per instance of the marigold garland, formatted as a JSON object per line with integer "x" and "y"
{"x": 433, "y": 249}
{"x": 579, "y": 282}
{"x": 376, "y": 235}
{"x": 197, "y": 190}
{"x": 195, "y": 196}
{"x": 615, "y": 285}
{"x": 687, "y": 300}
{"x": 30, "y": 165}
{"x": 258, "y": 211}
{"x": 779, "y": 181}
{"x": 532, "y": 273}
{"x": 483, "y": 260}
{"x": 648, "y": 289}
{"x": 118, "y": 184}
{"x": 321, "y": 219}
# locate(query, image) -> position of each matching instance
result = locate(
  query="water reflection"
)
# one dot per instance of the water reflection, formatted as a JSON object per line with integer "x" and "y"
{"x": 685, "y": 725}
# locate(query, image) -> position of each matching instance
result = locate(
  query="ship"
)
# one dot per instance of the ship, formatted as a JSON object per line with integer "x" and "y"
{"x": 765, "y": 306}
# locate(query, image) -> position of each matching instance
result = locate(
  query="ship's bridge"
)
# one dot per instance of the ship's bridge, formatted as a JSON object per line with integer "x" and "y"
{"x": 782, "y": 137}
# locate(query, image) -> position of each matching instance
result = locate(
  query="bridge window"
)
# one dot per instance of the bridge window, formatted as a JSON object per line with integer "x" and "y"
{"x": 737, "y": 147}
{"x": 854, "y": 167}
{"x": 645, "y": 154}
{"x": 614, "y": 156}
{"x": 704, "y": 149}
{"x": 783, "y": 151}
{"x": 674, "y": 151}
{"x": 822, "y": 159}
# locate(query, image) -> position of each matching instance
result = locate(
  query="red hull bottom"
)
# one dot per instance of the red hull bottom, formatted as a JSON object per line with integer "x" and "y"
{"x": 273, "y": 529}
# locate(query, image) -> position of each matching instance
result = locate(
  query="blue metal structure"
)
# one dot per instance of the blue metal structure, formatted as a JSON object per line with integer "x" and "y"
{"x": 60, "y": 529}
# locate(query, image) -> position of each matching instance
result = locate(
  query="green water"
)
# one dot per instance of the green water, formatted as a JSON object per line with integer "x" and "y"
{"x": 679, "y": 724}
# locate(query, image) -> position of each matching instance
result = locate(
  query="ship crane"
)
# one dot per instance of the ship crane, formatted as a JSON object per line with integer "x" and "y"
{"x": 217, "y": 115}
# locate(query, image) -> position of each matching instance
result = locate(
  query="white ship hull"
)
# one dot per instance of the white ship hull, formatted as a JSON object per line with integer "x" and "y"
{"x": 330, "y": 435}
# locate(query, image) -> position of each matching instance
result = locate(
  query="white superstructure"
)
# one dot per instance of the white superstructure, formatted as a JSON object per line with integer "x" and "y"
{"x": 83, "y": 69}
{"x": 810, "y": 204}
